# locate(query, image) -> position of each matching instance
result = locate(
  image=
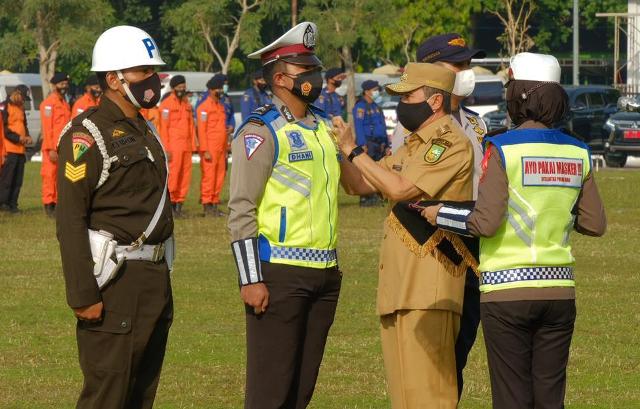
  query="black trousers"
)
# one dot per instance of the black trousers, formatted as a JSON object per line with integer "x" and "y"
{"x": 121, "y": 356}
{"x": 11, "y": 177}
{"x": 285, "y": 344}
{"x": 528, "y": 349}
{"x": 469, "y": 322}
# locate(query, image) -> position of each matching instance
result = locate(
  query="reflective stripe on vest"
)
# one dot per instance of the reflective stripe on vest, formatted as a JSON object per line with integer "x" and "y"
{"x": 297, "y": 214}
{"x": 545, "y": 171}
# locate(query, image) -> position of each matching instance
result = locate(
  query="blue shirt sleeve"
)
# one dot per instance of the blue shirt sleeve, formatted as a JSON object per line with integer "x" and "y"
{"x": 359, "y": 112}
{"x": 246, "y": 104}
{"x": 231, "y": 120}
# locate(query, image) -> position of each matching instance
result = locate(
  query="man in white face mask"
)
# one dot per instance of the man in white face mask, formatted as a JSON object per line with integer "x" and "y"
{"x": 451, "y": 51}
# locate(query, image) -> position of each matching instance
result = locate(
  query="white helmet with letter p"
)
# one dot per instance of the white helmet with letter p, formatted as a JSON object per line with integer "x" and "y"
{"x": 124, "y": 47}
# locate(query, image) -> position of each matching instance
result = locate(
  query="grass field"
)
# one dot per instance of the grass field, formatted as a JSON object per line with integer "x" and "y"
{"x": 204, "y": 367}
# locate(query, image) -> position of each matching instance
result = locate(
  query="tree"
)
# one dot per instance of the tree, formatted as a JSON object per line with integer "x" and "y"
{"x": 211, "y": 31}
{"x": 409, "y": 22}
{"x": 47, "y": 29}
{"x": 515, "y": 16}
{"x": 342, "y": 25}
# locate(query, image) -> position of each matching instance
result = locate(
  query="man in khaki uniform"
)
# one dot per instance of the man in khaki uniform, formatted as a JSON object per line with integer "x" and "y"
{"x": 419, "y": 297}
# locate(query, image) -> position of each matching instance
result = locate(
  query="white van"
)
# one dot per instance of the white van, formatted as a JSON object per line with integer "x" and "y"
{"x": 9, "y": 81}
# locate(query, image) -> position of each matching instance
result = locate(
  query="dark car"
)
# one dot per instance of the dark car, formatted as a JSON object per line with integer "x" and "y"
{"x": 622, "y": 131}
{"x": 590, "y": 107}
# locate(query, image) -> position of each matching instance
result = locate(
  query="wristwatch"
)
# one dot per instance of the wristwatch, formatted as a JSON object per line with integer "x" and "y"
{"x": 358, "y": 150}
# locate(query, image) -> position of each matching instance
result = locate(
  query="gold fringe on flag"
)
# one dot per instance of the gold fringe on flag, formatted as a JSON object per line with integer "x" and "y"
{"x": 430, "y": 247}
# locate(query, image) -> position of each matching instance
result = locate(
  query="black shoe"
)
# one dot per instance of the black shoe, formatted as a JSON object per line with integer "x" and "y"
{"x": 9, "y": 209}
{"x": 50, "y": 210}
{"x": 208, "y": 209}
{"x": 178, "y": 210}
{"x": 218, "y": 211}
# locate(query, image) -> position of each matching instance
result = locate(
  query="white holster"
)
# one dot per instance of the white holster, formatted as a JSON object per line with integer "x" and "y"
{"x": 103, "y": 250}
{"x": 108, "y": 256}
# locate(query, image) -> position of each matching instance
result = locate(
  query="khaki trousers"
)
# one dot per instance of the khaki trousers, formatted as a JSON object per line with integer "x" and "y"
{"x": 418, "y": 347}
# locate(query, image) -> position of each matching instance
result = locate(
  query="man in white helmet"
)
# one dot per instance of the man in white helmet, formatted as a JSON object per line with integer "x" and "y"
{"x": 115, "y": 227}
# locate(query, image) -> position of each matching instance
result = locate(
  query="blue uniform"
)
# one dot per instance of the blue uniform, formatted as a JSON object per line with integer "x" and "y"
{"x": 253, "y": 99}
{"x": 331, "y": 103}
{"x": 370, "y": 128}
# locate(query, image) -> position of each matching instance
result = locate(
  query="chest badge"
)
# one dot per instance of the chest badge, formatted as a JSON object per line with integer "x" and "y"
{"x": 296, "y": 141}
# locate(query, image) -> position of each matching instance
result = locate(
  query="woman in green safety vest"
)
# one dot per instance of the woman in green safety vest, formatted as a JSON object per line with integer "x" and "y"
{"x": 536, "y": 187}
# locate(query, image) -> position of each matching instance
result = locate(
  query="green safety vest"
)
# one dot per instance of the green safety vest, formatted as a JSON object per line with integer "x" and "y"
{"x": 545, "y": 171}
{"x": 298, "y": 212}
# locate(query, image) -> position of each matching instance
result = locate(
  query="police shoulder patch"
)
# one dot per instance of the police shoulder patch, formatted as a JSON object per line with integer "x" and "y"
{"x": 360, "y": 113}
{"x": 434, "y": 153}
{"x": 251, "y": 144}
{"x": 75, "y": 173}
{"x": 48, "y": 110}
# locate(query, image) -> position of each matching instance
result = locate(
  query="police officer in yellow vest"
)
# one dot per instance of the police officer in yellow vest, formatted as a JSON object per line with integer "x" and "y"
{"x": 537, "y": 186}
{"x": 283, "y": 220}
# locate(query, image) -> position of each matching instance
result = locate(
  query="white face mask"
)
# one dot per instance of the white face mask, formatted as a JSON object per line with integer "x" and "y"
{"x": 465, "y": 83}
{"x": 375, "y": 95}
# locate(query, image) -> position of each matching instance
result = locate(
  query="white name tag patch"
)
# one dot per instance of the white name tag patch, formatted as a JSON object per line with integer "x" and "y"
{"x": 543, "y": 171}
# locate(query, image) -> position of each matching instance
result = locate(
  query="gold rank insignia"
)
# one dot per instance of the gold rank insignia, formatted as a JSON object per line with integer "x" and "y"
{"x": 117, "y": 133}
{"x": 75, "y": 173}
{"x": 443, "y": 130}
{"x": 434, "y": 153}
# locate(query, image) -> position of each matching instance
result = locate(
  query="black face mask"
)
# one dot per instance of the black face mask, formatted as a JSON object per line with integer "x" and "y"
{"x": 411, "y": 116}
{"x": 96, "y": 93}
{"x": 307, "y": 85}
{"x": 146, "y": 92}
{"x": 261, "y": 86}
{"x": 337, "y": 83}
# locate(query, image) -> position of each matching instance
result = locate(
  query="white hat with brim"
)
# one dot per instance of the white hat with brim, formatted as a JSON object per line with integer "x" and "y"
{"x": 296, "y": 46}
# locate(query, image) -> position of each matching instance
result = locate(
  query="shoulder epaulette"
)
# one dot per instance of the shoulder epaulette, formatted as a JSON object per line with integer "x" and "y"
{"x": 263, "y": 109}
{"x": 318, "y": 111}
{"x": 467, "y": 110}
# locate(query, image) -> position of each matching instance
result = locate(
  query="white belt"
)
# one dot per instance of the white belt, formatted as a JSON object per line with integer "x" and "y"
{"x": 146, "y": 252}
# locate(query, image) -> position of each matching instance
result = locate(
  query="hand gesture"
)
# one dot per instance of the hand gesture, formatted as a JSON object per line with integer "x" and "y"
{"x": 90, "y": 313}
{"x": 256, "y": 296}
{"x": 431, "y": 212}
{"x": 344, "y": 135}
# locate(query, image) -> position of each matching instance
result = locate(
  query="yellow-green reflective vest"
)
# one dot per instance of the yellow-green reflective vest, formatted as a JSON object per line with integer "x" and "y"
{"x": 298, "y": 212}
{"x": 545, "y": 170}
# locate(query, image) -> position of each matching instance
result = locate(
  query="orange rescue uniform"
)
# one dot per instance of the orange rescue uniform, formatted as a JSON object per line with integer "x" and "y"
{"x": 178, "y": 137}
{"x": 152, "y": 115}
{"x": 16, "y": 122}
{"x": 212, "y": 135}
{"x": 55, "y": 113}
{"x": 83, "y": 103}
{"x": 1, "y": 141}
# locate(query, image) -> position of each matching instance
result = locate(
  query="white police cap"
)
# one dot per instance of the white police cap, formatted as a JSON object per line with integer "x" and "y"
{"x": 296, "y": 46}
{"x": 535, "y": 67}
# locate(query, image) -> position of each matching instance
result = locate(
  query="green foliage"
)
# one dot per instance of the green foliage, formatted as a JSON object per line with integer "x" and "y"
{"x": 408, "y": 22}
{"x": 74, "y": 24}
{"x": 341, "y": 23}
